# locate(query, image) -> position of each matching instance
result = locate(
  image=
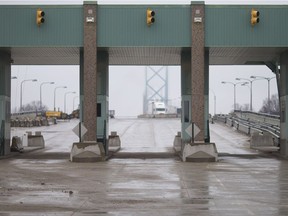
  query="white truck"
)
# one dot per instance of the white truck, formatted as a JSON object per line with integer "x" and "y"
{"x": 156, "y": 107}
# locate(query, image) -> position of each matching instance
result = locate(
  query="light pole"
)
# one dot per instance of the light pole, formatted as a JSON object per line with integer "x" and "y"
{"x": 214, "y": 101}
{"x": 251, "y": 82}
{"x": 21, "y": 91}
{"x": 41, "y": 92}
{"x": 14, "y": 77}
{"x": 74, "y": 101}
{"x": 234, "y": 84}
{"x": 268, "y": 79}
{"x": 55, "y": 95}
{"x": 245, "y": 84}
{"x": 65, "y": 99}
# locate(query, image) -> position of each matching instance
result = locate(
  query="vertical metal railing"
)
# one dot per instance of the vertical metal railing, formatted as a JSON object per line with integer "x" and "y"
{"x": 2, "y": 138}
{"x": 105, "y": 139}
{"x": 207, "y": 140}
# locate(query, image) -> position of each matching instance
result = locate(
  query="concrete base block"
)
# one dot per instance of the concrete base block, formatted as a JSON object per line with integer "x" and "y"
{"x": 200, "y": 152}
{"x": 87, "y": 152}
{"x": 25, "y": 139}
{"x": 114, "y": 140}
{"x": 16, "y": 144}
{"x": 177, "y": 142}
{"x": 264, "y": 142}
{"x": 36, "y": 141}
{"x": 258, "y": 139}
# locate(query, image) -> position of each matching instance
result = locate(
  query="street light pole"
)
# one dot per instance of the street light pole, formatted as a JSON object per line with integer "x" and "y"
{"x": 251, "y": 95}
{"x": 244, "y": 84}
{"x": 55, "y": 95}
{"x": 214, "y": 101}
{"x": 41, "y": 92}
{"x": 268, "y": 80}
{"x": 21, "y": 91}
{"x": 234, "y": 84}
{"x": 74, "y": 101}
{"x": 65, "y": 99}
{"x": 269, "y": 87}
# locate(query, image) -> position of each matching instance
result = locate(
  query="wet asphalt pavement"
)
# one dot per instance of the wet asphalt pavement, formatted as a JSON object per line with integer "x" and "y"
{"x": 44, "y": 182}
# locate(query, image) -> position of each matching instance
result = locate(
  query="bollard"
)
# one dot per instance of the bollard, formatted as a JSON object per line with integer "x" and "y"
{"x": 114, "y": 142}
{"x": 25, "y": 140}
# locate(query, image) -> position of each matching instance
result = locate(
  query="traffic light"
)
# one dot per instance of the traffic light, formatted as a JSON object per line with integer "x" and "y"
{"x": 40, "y": 17}
{"x": 254, "y": 17}
{"x": 150, "y": 17}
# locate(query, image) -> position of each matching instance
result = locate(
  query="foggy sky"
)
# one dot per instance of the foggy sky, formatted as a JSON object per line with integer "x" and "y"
{"x": 127, "y": 86}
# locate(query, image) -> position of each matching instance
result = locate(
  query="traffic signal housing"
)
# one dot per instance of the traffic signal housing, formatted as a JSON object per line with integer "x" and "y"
{"x": 150, "y": 17}
{"x": 254, "y": 17}
{"x": 40, "y": 17}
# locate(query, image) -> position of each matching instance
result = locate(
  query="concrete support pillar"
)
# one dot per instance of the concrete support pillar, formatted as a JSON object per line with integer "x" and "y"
{"x": 197, "y": 68}
{"x": 5, "y": 93}
{"x": 88, "y": 150}
{"x": 102, "y": 95}
{"x": 284, "y": 104}
{"x": 89, "y": 73}
{"x": 186, "y": 76}
{"x": 185, "y": 94}
{"x": 195, "y": 91}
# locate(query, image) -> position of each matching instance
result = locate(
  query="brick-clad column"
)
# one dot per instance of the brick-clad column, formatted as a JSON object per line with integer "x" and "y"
{"x": 90, "y": 68}
{"x": 197, "y": 67}
{"x": 5, "y": 94}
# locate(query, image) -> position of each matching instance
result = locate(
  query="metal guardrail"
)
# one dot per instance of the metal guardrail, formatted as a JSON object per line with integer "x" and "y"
{"x": 248, "y": 126}
{"x": 36, "y": 112}
{"x": 258, "y": 117}
{"x": 257, "y": 113}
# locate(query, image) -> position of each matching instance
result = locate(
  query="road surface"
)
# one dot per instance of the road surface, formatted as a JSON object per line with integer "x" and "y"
{"x": 44, "y": 182}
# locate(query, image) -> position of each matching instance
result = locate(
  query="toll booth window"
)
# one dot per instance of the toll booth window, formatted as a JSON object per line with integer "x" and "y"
{"x": 98, "y": 109}
{"x": 186, "y": 111}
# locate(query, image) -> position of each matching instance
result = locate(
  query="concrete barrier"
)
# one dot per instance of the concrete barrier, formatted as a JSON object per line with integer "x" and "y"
{"x": 37, "y": 133}
{"x": 44, "y": 122}
{"x": 177, "y": 142}
{"x": 37, "y": 122}
{"x": 229, "y": 122}
{"x": 261, "y": 140}
{"x": 220, "y": 118}
{"x": 87, "y": 152}
{"x": 36, "y": 140}
{"x": 25, "y": 139}
{"x": 17, "y": 145}
{"x": 114, "y": 141}
{"x": 244, "y": 128}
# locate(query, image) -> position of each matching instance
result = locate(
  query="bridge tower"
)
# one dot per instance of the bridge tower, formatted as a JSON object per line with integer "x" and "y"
{"x": 156, "y": 85}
